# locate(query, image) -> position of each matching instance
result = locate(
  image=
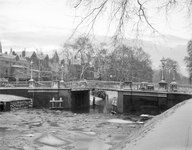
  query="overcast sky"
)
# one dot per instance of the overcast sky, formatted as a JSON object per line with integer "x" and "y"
{"x": 46, "y": 24}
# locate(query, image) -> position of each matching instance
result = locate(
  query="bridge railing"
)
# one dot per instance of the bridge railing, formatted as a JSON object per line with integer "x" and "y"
{"x": 46, "y": 84}
{"x": 17, "y": 84}
{"x": 104, "y": 84}
{"x": 111, "y": 85}
{"x": 184, "y": 88}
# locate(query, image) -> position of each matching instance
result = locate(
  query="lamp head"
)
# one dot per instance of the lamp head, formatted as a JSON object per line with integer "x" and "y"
{"x": 163, "y": 61}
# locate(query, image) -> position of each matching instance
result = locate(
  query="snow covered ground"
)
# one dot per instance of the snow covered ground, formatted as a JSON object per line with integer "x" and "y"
{"x": 172, "y": 130}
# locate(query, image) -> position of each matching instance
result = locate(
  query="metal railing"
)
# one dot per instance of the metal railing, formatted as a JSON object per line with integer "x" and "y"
{"x": 184, "y": 88}
{"x": 105, "y": 85}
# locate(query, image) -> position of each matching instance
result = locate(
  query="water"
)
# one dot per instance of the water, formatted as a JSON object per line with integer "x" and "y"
{"x": 9, "y": 132}
{"x": 93, "y": 145}
{"x": 51, "y": 140}
{"x": 38, "y": 130}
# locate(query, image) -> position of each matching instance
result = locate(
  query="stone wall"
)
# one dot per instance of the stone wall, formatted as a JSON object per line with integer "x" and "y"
{"x": 21, "y": 104}
{"x": 151, "y": 102}
{"x": 41, "y": 97}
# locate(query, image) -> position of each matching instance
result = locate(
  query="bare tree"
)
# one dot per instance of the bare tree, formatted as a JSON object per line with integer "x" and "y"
{"x": 83, "y": 53}
{"x": 126, "y": 15}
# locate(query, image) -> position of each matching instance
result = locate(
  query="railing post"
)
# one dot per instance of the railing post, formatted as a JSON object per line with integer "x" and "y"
{"x": 163, "y": 83}
{"x": 62, "y": 82}
{"x": 126, "y": 85}
{"x": 31, "y": 81}
{"x": 173, "y": 84}
{"x": 55, "y": 84}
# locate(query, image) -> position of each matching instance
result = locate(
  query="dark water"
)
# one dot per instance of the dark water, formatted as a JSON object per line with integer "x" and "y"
{"x": 93, "y": 109}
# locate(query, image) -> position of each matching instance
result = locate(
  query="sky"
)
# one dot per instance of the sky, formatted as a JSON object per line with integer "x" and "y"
{"x": 46, "y": 24}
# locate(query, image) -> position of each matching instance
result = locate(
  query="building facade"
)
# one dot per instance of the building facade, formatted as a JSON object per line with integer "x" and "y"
{"x": 17, "y": 66}
{"x": 13, "y": 67}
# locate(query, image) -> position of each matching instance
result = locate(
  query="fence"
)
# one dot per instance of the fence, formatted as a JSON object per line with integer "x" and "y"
{"x": 105, "y": 85}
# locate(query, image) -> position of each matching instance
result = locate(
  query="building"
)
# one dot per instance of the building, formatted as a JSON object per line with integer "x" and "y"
{"x": 12, "y": 66}
{"x": 17, "y": 66}
{"x": 39, "y": 64}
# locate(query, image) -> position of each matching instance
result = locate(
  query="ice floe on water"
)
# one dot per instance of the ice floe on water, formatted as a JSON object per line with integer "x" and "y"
{"x": 119, "y": 121}
{"x": 93, "y": 145}
{"x": 51, "y": 140}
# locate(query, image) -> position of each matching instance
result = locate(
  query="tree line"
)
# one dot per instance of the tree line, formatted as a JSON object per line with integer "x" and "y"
{"x": 117, "y": 63}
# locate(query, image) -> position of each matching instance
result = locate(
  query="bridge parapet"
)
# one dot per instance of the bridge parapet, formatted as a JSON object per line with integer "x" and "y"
{"x": 110, "y": 85}
{"x": 184, "y": 88}
{"x": 94, "y": 84}
{"x": 43, "y": 84}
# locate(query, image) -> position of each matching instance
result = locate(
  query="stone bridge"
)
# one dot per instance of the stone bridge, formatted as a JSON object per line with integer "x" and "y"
{"x": 104, "y": 85}
{"x": 131, "y": 96}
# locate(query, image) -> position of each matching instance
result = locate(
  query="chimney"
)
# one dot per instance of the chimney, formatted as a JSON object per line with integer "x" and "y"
{"x": 11, "y": 51}
{"x": 0, "y": 48}
{"x": 23, "y": 53}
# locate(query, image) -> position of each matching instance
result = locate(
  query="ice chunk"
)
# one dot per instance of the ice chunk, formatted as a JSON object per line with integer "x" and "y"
{"x": 119, "y": 121}
{"x": 51, "y": 140}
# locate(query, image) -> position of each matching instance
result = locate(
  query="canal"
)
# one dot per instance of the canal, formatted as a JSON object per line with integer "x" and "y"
{"x": 44, "y": 129}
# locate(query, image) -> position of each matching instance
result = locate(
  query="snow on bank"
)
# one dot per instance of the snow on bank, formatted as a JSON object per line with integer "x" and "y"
{"x": 170, "y": 130}
{"x": 119, "y": 121}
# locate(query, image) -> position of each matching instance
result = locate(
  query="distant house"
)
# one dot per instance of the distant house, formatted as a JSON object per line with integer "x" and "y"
{"x": 55, "y": 66}
{"x": 18, "y": 65}
{"x": 40, "y": 64}
{"x": 13, "y": 67}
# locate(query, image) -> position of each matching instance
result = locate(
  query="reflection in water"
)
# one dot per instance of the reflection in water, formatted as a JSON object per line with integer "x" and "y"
{"x": 98, "y": 109}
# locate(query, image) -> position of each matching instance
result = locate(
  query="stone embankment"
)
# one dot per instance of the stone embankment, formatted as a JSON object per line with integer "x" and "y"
{"x": 11, "y": 102}
{"x": 21, "y": 104}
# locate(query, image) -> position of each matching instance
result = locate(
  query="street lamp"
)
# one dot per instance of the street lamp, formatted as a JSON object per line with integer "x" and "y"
{"x": 162, "y": 83}
{"x": 62, "y": 73}
{"x": 62, "y": 83}
{"x": 31, "y": 81}
{"x": 173, "y": 84}
{"x": 31, "y": 64}
{"x": 163, "y": 65}
{"x": 174, "y": 71}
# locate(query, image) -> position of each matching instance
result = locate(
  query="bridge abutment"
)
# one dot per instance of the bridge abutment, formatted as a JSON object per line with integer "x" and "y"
{"x": 151, "y": 102}
{"x": 78, "y": 99}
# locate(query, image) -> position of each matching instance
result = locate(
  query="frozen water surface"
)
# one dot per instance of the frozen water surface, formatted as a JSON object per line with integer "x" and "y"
{"x": 43, "y": 129}
{"x": 119, "y": 121}
{"x": 51, "y": 140}
{"x": 8, "y": 132}
{"x": 93, "y": 145}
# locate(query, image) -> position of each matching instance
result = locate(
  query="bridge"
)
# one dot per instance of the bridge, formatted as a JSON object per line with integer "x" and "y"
{"x": 102, "y": 85}
{"x": 132, "y": 96}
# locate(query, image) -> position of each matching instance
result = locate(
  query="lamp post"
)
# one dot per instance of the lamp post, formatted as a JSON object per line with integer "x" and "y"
{"x": 174, "y": 71}
{"x": 31, "y": 64}
{"x": 173, "y": 84}
{"x": 62, "y": 83}
{"x": 62, "y": 73}
{"x": 162, "y": 83}
{"x": 31, "y": 81}
{"x": 163, "y": 65}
